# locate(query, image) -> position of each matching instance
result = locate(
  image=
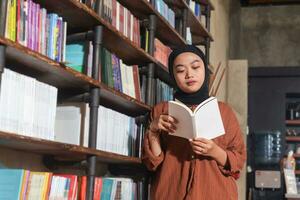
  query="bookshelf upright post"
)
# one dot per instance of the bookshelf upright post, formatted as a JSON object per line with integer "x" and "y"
{"x": 151, "y": 66}
{"x": 94, "y": 106}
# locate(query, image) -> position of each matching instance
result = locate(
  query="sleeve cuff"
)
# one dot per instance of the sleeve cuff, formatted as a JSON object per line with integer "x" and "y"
{"x": 230, "y": 168}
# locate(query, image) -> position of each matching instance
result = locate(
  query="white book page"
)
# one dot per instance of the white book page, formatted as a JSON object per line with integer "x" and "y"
{"x": 184, "y": 127}
{"x": 208, "y": 120}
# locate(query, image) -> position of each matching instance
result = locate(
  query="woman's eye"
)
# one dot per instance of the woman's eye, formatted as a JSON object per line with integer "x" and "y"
{"x": 196, "y": 67}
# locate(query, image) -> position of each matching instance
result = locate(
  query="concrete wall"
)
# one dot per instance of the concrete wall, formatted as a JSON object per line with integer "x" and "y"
{"x": 219, "y": 51}
{"x": 267, "y": 36}
{"x": 233, "y": 88}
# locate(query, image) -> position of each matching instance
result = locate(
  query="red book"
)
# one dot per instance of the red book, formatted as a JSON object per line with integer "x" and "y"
{"x": 114, "y": 13}
{"x": 136, "y": 80}
{"x": 121, "y": 19}
{"x": 128, "y": 24}
{"x": 97, "y": 188}
{"x": 83, "y": 188}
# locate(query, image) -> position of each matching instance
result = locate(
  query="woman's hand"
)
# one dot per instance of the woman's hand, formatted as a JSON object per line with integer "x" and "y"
{"x": 164, "y": 123}
{"x": 207, "y": 147}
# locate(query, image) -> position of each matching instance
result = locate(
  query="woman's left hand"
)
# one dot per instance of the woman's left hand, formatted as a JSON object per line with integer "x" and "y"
{"x": 207, "y": 147}
{"x": 204, "y": 147}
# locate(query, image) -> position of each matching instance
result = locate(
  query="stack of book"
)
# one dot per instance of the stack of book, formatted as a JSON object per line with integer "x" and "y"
{"x": 27, "y": 106}
{"x": 118, "y": 132}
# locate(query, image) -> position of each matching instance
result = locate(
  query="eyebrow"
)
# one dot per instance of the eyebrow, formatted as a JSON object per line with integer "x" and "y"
{"x": 181, "y": 65}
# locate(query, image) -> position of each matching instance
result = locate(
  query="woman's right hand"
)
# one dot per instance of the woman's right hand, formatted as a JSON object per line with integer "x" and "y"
{"x": 163, "y": 123}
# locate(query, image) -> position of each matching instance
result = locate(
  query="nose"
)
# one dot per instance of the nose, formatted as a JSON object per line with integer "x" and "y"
{"x": 188, "y": 73}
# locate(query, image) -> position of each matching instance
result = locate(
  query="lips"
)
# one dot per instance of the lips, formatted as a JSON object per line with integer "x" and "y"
{"x": 191, "y": 82}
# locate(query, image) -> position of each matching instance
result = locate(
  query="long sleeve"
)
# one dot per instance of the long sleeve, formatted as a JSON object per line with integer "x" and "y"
{"x": 149, "y": 159}
{"x": 235, "y": 149}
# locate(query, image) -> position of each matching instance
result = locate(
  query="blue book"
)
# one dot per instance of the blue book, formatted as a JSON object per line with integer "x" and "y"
{"x": 11, "y": 183}
{"x": 75, "y": 55}
{"x": 106, "y": 189}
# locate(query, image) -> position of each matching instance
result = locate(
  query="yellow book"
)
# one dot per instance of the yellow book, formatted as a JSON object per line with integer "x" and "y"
{"x": 13, "y": 20}
{"x": 46, "y": 185}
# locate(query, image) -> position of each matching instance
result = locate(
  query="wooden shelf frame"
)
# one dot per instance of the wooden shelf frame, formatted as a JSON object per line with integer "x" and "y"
{"x": 60, "y": 150}
{"x": 292, "y": 122}
{"x": 292, "y": 138}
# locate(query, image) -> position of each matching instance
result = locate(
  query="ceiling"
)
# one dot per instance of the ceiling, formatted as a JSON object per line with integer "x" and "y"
{"x": 269, "y": 2}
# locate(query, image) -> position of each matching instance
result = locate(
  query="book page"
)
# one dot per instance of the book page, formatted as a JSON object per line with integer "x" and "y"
{"x": 184, "y": 117}
{"x": 208, "y": 120}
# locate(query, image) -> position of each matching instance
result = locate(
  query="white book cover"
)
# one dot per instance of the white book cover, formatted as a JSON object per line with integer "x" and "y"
{"x": 67, "y": 124}
{"x": 4, "y": 100}
{"x": 124, "y": 78}
{"x": 131, "y": 27}
{"x": 130, "y": 81}
{"x": 204, "y": 122}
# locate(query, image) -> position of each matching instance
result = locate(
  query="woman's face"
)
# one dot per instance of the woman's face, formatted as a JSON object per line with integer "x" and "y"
{"x": 189, "y": 72}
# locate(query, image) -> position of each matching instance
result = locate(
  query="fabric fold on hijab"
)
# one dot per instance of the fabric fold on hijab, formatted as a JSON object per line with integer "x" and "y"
{"x": 203, "y": 93}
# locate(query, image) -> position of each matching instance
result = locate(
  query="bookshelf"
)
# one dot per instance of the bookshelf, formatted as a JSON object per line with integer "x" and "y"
{"x": 84, "y": 23}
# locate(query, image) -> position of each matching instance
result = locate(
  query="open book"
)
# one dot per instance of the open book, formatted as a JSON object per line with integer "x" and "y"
{"x": 204, "y": 122}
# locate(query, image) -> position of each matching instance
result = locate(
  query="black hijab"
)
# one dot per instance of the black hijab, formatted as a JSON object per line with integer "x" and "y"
{"x": 189, "y": 98}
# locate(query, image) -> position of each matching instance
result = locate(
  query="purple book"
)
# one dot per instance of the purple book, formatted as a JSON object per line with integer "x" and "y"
{"x": 29, "y": 25}
{"x": 116, "y": 72}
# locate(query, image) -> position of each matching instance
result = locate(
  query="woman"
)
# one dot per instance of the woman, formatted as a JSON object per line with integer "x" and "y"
{"x": 198, "y": 169}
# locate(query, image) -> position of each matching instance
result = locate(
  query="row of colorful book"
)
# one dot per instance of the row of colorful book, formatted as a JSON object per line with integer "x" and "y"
{"x": 116, "y": 132}
{"x": 165, "y": 11}
{"x": 114, "y": 72}
{"x": 27, "y": 106}
{"x": 120, "y": 17}
{"x": 34, "y": 27}
{"x": 24, "y": 184}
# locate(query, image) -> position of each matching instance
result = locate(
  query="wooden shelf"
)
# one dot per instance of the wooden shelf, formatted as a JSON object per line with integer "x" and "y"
{"x": 292, "y": 139}
{"x": 164, "y": 31}
{"x": 121, "y": 102}
{"x": 297, "y": 172}
{"x": 62, "y": 151}
{"x": 69, "y": 81}
{"x": 28, "y": 62}
{"x": 293, "y": 122}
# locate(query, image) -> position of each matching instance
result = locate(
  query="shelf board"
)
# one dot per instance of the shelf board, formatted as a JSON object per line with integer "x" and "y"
{"x": 292, "y": 139}
{"x": 293, "y": 122}
{"x": 121, "y": 102}
{"x": 45, "y": 69}
{"x": 164, "y": 31}
{"x": 60, "y": 150}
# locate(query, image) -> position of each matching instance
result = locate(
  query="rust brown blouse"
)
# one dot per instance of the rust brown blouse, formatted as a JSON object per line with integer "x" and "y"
{"x": 179, "y": 174}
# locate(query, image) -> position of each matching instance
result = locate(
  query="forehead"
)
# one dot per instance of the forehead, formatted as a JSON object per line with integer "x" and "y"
{"x": 186, "y": 58}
